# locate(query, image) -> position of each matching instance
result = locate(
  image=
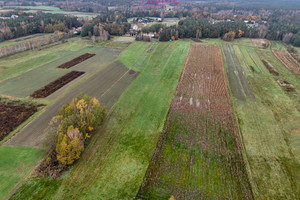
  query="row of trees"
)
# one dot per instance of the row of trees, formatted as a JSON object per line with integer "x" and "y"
{"x": 90, "y": 29}
{"x": 35, "y": 43}
{"x": 72, "y": 127}
{"x": 38, "y": 23}
{"x": 201, "y": 28}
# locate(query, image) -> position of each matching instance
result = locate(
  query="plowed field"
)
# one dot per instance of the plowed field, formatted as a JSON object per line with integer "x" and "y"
{"x": 199, "y": 153}
{"x": 12, "y": 114}
{"x": 55, "y": 85}
{"x": 288, "y": 61}
{"x": 77, "y": 60}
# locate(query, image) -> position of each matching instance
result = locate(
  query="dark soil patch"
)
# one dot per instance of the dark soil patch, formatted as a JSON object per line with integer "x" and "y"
{"x": 196, "y": 40}
{"x": 77, "y": 60}
{"x": 55, "y": 85}
{"x": 12, "y": 114}
{"x": 286, "y": 85}
{"x": 271, "y": 70}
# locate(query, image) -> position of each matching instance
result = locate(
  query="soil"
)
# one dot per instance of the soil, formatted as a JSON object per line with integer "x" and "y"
{"x": 12, "y": 114}
{"x": 77, "y": 60}
{"x": 271, "y": 70}
{"x": 55, "y": 85}
{"x": 288, "y": 61}
{"x": 286, "y": 85}
{"x": 260, "y": 43}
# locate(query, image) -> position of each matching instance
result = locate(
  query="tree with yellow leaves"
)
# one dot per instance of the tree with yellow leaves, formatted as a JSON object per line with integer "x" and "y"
{"x": 76, "y": 123}
{"x": 69, "y": 146}
{"x": 240, "y": 33}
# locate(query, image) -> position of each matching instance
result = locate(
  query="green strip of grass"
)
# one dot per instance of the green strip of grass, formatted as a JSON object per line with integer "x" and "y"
{"x": 15, "y": 165}
{"x": 114, "y": 163}
{"x": 269, "y": 128}
{"x": 136, "y": 54}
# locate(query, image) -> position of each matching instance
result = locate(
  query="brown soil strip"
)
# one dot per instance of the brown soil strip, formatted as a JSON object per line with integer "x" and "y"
{"x": 12, "y": 114}
{"x": 288, "y": 61}
{"x": 77, "y": 60}
{"x": 55, "y": 85}
{"x": 271, "y": 70}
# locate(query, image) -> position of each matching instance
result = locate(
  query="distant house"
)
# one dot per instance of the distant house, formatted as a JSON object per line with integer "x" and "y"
{"x": 151, "y": 34}
{"x": 30, "y": 16}
{"x": 135, "y": 27}
{"x": 14, "y": 16}
{"x": 246, "y": 21}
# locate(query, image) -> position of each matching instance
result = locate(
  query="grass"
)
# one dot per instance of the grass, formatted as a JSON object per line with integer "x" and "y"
{"x": 136, "y": 54}
{"x": 14, "y": 65}
{"x": 53, "y": 10}
{"x": 11, "y": 43}
{"x": 16, "y": 163}
{"x": 23, "y": 85}
{"x": 114, "y": 163}
{"x": 277, "y": 45}
{"x": 270, "y": 130}
{"x": 250, "y": 57}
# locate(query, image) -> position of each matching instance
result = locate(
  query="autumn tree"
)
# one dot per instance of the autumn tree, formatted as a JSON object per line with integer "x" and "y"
{"x": 229, "y": 36}
{"x": 77, "y": 122}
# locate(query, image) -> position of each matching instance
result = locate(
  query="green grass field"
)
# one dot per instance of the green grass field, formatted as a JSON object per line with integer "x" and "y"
{"x": 114, "y": 163}
{"x": 30, "y": 81}
{"x": 270, "y": 128}
{"x": 136, "y": 54}
{"x": 15, "y": 164}
{"x": 11, "y": 43}
{"x": 16, "y": 64}
{"x": 53, "y": 10}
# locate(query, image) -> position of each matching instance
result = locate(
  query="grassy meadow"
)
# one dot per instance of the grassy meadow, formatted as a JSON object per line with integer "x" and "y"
{"x": 53, "y": 10}
{"x": 16, "y": 64}
{"x": 114, "y": 163}
{"x": 270, "y": 126}
{"x": 16, "y": 164}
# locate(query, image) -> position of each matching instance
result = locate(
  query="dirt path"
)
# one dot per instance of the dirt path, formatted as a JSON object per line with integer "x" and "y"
{"x": 115, "y": 75}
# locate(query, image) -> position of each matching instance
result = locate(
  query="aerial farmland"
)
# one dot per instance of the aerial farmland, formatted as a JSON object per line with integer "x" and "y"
{"x": 181, "y": 119}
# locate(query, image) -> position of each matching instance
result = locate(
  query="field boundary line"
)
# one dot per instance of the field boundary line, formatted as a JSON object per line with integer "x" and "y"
{"x": 114, "y": 83}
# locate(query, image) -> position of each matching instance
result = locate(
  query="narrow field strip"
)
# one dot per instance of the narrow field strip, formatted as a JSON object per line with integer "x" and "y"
{"x": 199, "y": 153}
{"x": 235, "y": 84}
{"x": 76, "y": 61}
{"x": 55, "y": 85}
{"x": 288, "y": 61}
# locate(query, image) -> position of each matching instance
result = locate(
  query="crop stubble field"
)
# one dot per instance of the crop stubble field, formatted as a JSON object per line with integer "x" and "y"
{"x": 199, "y": 153}
{"x": 288, "y": 61}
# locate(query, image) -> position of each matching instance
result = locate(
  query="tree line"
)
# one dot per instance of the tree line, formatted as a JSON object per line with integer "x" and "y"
{"x": 37, "y": 23}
